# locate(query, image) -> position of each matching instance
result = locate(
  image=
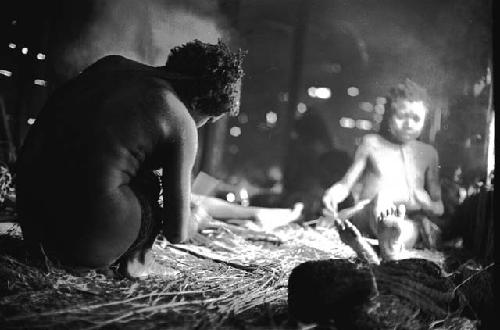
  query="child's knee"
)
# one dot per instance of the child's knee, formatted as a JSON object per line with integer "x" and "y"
{"x": 430, "y": 233}
{"x": 395, "y": 235}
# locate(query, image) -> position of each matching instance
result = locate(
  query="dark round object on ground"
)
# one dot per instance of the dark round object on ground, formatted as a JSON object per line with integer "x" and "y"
{"x": 323, "y": 290}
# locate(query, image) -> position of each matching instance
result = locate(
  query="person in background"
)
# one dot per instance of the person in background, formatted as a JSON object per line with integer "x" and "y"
{"x": 313, "y": 165}
{"x": 264, "y": 218}
{"x": 207, "y": 199}
{"x": 398, "y": 174}
{"x": 86, "y": 192}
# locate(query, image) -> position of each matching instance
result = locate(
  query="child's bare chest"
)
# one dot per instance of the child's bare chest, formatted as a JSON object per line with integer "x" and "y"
{"x": 399, "y": 165}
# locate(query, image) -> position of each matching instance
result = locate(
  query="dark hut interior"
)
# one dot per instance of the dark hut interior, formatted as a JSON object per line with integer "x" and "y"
{"x": 316, "y": 77}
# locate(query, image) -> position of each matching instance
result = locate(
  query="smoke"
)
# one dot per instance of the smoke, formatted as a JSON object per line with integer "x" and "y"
{"x": 403, "y": 51}
{"x": 143, "y": 30}
{"x": 431, "y": 42}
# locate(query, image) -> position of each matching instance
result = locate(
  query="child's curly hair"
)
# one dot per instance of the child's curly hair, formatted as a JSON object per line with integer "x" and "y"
{"x": 216, "y": 75}
{"x": 409, "y": 90}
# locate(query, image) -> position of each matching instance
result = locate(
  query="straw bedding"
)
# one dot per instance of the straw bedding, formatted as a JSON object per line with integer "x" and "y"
{"x": 226, "y": 277}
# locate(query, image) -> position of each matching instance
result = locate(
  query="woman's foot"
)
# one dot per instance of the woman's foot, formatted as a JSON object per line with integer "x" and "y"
{"x": 143, "y": 264}
{"x": 138, "y": 265}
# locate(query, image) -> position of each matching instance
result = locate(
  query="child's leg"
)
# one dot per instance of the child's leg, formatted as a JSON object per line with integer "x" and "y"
{"x": 429, "y": 232}
{"x": 394, "y": 230}
{"x": 364, "y": 221}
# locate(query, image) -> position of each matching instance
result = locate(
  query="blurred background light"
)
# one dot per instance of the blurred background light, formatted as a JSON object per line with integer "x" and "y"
{"x": 230, "y": 197}
{"x": 347, "y": 122}
{"x": 40, "y": 82}
{"x": 364, "y": 124}
{"x": 271, "y": 117}
{"x": 377, "y": 117}
{"x": 233, "y": 149}
{"x": 244, "y": 197}
{"x": 311, "y": 91}
{"x": 323, "y": 93}
{"x": 6, "y": 73}
{"x": 243, "y": 193}
{"x": 488, "y": 75}
{"x": 366, "y": 106}
{"x": 381, "y": 100}
{"x": 283, "y": 96}
{"x": 243, "y": 118}
{"x": 379, "y": 108}
{"x": 319, "y": 92}
{"x": 301, "y": 108}
{"x": 335, "y": 68}
{"x": 235, "y": 131}
{"x": 353, "y": 91}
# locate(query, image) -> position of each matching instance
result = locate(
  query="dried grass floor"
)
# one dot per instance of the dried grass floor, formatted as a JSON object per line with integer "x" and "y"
{"x": 226, "y": 278}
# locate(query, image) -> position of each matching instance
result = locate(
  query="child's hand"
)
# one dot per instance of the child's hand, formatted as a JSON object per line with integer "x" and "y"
{"x": 333, "y": 196}
{"x": 423, "y": 199}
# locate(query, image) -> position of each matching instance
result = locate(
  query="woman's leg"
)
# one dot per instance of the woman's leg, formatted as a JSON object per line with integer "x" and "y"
{"x": 138, "y": 260}
{"x": 222, "y": 210}
{"x": 266, "y": 217}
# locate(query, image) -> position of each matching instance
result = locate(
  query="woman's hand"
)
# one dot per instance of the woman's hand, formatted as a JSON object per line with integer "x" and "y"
{"x": 199, "y": 218}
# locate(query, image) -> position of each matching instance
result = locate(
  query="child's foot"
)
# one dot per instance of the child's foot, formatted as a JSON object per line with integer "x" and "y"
{"x": 269, "y": 219}
{"x": 389, "y": 232}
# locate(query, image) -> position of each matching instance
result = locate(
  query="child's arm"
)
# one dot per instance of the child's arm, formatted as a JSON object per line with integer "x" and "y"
{"x": 430, "y": 201}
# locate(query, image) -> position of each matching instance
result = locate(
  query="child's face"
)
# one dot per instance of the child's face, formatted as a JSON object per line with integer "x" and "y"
{"x": 408, "y": 120}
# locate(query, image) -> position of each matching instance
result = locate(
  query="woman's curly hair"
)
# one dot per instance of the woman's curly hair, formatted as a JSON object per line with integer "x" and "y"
{"x": 212, "y": 77}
